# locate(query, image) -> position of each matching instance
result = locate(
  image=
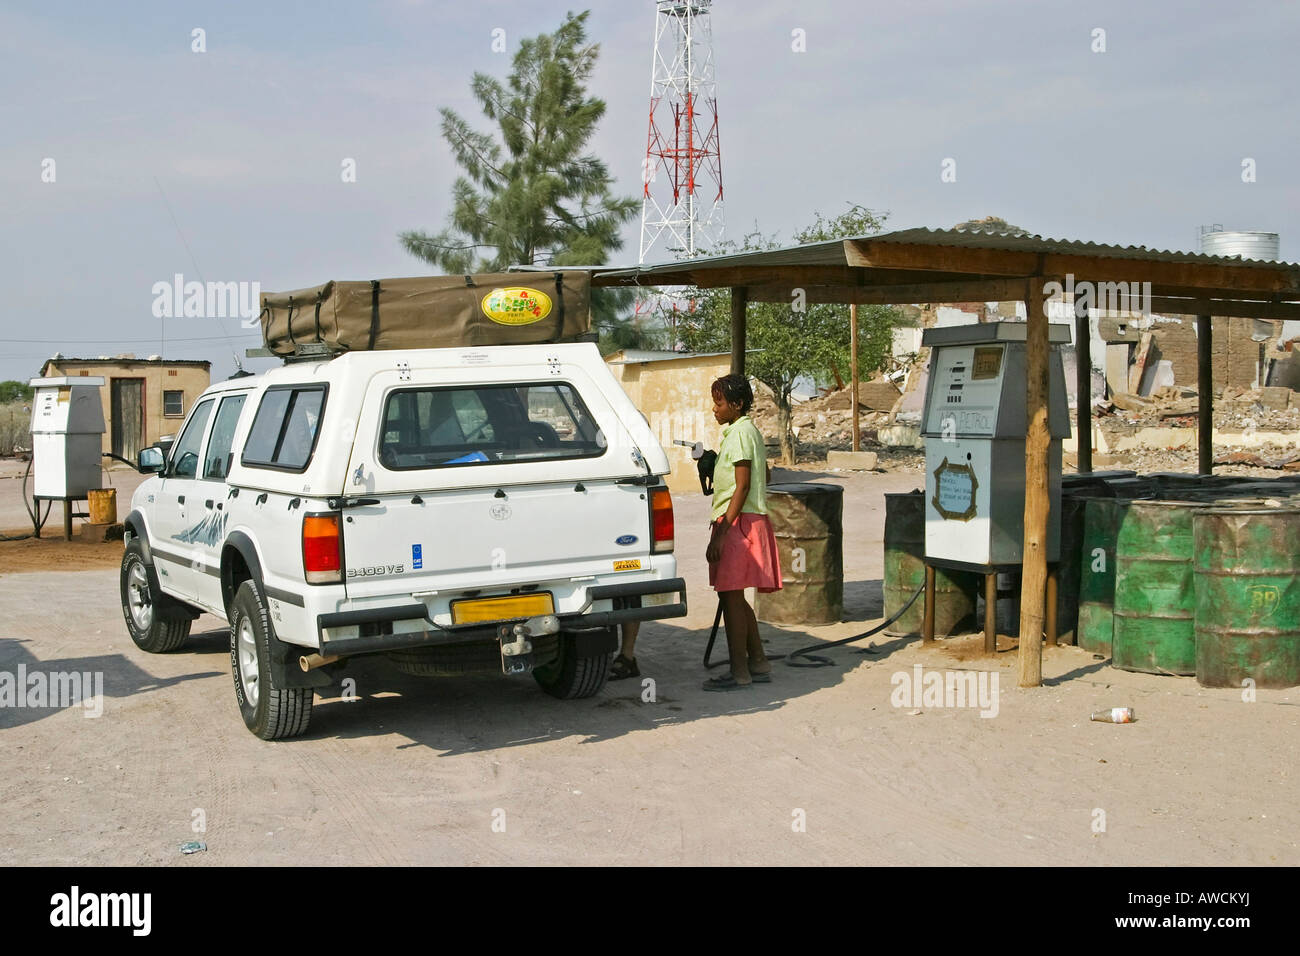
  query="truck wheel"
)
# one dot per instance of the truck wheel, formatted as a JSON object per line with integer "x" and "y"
{"x": 157, "y": 623}
{"x": 569, "y": 676}
{"x": 271, "y": 712}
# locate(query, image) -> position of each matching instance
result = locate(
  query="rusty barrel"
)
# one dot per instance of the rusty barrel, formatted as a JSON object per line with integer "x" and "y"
{"x": 955, "y": 592}
{"x": 102, "y": 505}
{"x": 1154, "y": 597}
{"x": 1247, "y": 588}
{"x": 808, "y": 520}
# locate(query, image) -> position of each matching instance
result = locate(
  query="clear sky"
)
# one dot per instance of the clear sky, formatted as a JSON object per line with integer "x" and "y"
{"x": 226, "y": 165}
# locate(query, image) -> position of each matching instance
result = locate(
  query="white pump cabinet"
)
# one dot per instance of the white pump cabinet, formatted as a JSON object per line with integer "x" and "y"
{"x": 67, "y": 436}
{"x": 974, "y": 429}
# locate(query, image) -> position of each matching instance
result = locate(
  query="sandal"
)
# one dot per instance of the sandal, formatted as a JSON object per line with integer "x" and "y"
{"x": 761, "y": 678}
{"x": 623, "y": 667}
{"x": 725, "y": 682}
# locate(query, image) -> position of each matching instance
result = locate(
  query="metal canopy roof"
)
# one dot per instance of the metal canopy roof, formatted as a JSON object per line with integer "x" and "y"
{"x": 831, "y": 252}
{"x": 955, "y": 265}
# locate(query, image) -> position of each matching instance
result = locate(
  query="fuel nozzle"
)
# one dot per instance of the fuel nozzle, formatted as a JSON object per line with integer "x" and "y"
{"x": 705, "y": 459}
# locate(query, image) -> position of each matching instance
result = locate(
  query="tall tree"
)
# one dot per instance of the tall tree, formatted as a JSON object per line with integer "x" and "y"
{"x": 529, "y": 194}
{"x": 796, "y": 340}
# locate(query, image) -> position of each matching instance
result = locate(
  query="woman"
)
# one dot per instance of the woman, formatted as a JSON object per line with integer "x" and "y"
{"x": 742, "y": 548}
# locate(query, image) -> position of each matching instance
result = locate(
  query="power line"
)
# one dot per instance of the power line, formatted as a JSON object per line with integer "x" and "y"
{"x": 196, "y": 338}
{"x": 197, "y": 271}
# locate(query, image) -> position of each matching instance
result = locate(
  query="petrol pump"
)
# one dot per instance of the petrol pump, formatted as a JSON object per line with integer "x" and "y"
{"x": 974, "y": 427}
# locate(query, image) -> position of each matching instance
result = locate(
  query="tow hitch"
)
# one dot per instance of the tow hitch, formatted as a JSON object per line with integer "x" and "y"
{"x": 516, "y": 648}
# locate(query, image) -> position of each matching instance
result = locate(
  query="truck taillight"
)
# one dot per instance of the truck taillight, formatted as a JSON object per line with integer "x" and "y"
{"x": 661, "y": 521}
{"x": 321, "y": 553}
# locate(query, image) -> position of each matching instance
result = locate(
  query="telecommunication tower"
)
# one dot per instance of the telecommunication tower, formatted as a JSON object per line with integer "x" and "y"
{"x": 681, "y": 210}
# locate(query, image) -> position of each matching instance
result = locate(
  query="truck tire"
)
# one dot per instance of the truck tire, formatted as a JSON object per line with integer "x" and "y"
{"x": 460, "y": 660}
{"x": 271, "y": 712}
{"x": 570, "y": 677}
{"x": 157, "y": 623}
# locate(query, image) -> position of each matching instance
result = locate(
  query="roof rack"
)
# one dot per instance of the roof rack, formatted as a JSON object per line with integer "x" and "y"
{"x": 302, "y": 352}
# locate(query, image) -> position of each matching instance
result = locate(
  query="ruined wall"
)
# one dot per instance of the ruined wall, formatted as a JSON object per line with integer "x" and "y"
{"x": 1235, "y": 357}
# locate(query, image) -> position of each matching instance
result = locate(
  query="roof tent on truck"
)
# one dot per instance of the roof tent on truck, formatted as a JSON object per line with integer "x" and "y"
{"x": 428, "y": 312}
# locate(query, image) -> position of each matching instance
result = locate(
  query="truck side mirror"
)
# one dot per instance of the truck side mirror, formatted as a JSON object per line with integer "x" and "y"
{"x": 150, "y": 460}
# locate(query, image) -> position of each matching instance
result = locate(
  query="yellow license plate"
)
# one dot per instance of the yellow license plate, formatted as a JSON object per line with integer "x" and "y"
{"x": 630, "y": 564}
{"x": 501, "y": 609}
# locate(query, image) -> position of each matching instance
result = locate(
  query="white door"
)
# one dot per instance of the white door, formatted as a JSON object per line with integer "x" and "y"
{"x": 176, "y": 507}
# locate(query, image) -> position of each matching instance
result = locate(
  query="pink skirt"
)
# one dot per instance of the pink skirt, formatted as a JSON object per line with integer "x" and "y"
{"x": 749, "y": 557}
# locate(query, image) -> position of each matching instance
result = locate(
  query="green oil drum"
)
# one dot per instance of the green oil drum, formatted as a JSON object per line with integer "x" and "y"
{"x": 1247, "y": 587}
{"x": 1101, "y": 520}
{"x": 955, "y": 592}
{"x": 808, "y": 521}
{"x": 1154, "y": 598}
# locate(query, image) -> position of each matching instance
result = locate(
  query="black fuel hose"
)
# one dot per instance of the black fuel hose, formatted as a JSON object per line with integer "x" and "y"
{"x": 37, "y": 523}
{"x": 811, "y": 660}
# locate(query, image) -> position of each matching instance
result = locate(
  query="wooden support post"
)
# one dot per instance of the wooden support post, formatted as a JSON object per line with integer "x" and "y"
{"x": 853, "y": 374}
{"x": 991, "y": 612}
{"x": 739, "y": 299}
{"x": 1083, "y": 387}
{"x": 1204, "y": 395}
{"x": 927, "y": 616}
{"x": 1033, "y": 581}
{"x": 67, "y": 519}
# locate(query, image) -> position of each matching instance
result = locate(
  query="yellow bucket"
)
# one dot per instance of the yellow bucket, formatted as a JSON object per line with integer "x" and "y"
{"x": 103, "y": 505}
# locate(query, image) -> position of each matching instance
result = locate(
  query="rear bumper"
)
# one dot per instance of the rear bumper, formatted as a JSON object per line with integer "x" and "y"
{"x": 627, "y": 599}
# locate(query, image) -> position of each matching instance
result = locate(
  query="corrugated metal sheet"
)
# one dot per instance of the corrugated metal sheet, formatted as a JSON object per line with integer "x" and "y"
{"x": 639, "y": 356}
{"x": 831, "y": 253}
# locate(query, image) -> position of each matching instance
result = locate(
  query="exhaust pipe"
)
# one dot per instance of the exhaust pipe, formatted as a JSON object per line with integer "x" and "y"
{"x": 309, "y": 662}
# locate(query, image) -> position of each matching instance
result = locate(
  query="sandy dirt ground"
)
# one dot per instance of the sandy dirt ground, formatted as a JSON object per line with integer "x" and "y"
{"x": 818, "y": 767}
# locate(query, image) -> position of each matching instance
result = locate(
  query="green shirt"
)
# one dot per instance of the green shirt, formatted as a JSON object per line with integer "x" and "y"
{"x": 741, "y": 441}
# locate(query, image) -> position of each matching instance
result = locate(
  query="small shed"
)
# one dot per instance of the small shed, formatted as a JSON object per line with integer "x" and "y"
{"x": 671, "y": 389}
{"x": 144, "y": 399}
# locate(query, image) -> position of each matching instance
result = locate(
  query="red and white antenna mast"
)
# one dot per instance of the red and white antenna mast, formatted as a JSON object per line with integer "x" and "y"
{"x": 681, "y": 211}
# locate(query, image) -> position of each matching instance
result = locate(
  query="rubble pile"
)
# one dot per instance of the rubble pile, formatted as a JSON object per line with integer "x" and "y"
{"x": 1235, "y": 409}
{"x": 1242, "y": 412}
{"x": 825, "y": 423}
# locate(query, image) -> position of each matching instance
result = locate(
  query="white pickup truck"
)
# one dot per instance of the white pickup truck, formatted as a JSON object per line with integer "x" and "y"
{"x": 460, "y": 510}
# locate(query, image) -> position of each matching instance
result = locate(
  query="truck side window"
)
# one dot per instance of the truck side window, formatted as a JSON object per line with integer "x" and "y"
{"x": 185, "y": 454}
{"x": 283, "y": 434}
{"x": 217, "y": 458}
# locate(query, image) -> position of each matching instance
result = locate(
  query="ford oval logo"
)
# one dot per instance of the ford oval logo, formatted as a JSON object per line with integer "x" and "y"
{"x": 626, "y": 539}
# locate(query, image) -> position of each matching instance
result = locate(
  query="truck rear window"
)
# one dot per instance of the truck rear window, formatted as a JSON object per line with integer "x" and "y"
{"x": 486, "y": 424}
